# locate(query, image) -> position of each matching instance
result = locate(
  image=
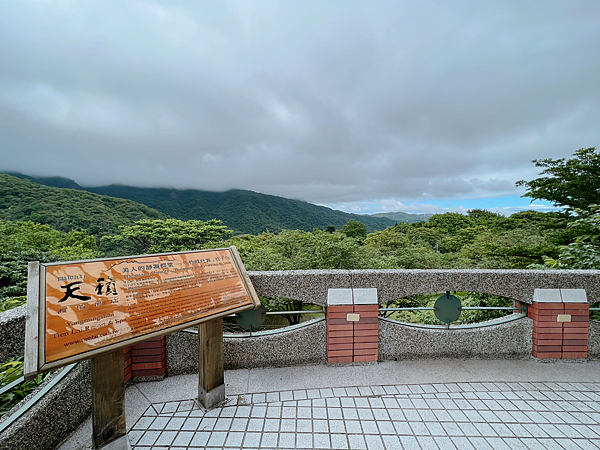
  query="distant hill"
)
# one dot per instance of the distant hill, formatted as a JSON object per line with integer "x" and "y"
{"x": 244, "y": 211}
{"x": 401, "y": 217}
{"x": 68, "y": 209}
{"x": 58, "y": 182}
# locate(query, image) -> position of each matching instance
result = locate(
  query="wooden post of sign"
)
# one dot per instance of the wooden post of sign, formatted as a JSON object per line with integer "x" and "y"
{"x": 211, "y": 380}
{"x": 108, "y": 402}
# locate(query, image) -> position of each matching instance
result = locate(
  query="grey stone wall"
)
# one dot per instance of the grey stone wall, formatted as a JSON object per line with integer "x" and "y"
{"x": 312, "y": 285}
{"x": 55, "y": 416}
{"x": 510, "y": 340}
{"x": 304, "y": 345}
{"x": 594, "y": 340}
{"x": 12, "y": 333}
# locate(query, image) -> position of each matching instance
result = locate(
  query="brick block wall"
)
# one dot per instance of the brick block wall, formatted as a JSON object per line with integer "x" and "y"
{"x": 560, "y": 340}
{"x": 352, "y": 341}
{"x": 128, "y": 369}
{"x": 146, "y": 359}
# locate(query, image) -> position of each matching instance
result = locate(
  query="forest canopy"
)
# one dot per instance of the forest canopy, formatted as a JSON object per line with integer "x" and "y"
{"x": 77, "y": 225}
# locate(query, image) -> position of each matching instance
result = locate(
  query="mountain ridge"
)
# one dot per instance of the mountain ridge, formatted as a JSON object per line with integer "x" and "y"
{"x": 66, "y": 209}
{"x": 245, "y": 211}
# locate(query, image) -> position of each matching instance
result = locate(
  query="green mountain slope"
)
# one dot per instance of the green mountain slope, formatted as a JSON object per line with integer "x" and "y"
{"x": 244, "y": 211}
{"x": 401, "y": 217}
{"x": 59, "y": 182}
{"x": 68, "y": 209}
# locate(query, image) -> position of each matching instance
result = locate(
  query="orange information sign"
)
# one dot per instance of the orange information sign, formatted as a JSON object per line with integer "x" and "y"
{"x": 91, "y": 305}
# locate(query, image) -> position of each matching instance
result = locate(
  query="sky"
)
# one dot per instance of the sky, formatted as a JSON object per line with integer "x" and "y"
{"x": 415, "y": 106}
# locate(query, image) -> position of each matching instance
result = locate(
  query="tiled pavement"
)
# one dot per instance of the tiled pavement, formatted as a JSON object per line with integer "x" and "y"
{"x": 474, "y": 415}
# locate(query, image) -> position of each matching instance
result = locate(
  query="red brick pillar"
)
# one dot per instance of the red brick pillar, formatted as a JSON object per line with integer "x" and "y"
{"x": 340, "y": 334}
{"x": 146, "y": 359}
{"x": 560, "y": 323}
{"x": 352, "y": 325}
{"x": 128, "y": 369}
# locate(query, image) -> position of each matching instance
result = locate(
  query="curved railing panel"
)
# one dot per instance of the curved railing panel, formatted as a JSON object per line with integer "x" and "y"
{"x": 508, "y": 340}
{"x": 290, "y": 346}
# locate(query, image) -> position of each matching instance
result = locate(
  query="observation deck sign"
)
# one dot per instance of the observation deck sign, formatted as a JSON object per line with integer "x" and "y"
{"x": 80, "y": 309}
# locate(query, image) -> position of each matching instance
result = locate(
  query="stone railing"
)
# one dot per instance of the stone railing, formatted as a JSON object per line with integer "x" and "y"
{"x": 308, "y": 344}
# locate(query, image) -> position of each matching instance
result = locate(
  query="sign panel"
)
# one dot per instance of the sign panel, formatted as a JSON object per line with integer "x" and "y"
{"x": 89, "y": 307}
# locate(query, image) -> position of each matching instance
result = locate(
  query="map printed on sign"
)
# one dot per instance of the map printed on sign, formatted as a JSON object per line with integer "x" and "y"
{"x": 91, "y": 305}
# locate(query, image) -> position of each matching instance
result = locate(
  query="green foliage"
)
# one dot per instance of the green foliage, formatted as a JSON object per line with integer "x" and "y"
{"x": 243, "y": 211}
{"x": 287, "y": 304}
{"x": 21, "y": 242}
{"x": 595, "y": 315}
{"x": 10, "y": 371}
{"x": 401, "y": 217}
{"x": 584, "y": 252}
{"x": 450, "y": 223}
{"x": 68, "y": 209}
{"x": 467, "y": 299}
{"x": 355, "y": 229}
{"x": 170, "y": 235}
{"x": 7, "y": 303}
{"x": 297, "y": 250}
{"x": 572, "y": 183}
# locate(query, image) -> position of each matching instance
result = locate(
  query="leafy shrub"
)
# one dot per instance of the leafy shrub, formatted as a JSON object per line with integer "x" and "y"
{"x": 10, "y": 371}
{"x": 595, "y": 315}
{"x": 11, "y": 302}
{"x": 468, "y": 299}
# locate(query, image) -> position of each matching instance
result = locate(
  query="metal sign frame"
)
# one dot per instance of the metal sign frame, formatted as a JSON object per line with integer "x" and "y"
{"x": 35, "y": 330}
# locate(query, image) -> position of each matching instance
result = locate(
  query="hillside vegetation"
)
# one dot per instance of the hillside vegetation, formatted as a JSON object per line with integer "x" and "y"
{"x": 68, "y": 209}
{"x": 402, "y": 217}
{"x": 244, "y": 211}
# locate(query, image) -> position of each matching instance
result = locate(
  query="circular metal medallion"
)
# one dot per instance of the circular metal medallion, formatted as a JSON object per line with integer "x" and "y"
{"x": 251, "y": 319}
{"x": 447, "y": 308}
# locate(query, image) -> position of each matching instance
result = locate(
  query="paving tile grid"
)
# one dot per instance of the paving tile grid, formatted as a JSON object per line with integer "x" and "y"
{"x": 430, "y": 416}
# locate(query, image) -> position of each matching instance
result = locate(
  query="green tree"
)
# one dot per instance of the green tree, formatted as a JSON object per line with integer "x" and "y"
{"x": 572, "y": 183}
{"x": 584, "y": 252}
{"x": 450, "y": 223}
{"x": 355, "y": 229}
{"x": 170, "y": 235}
{"x": 21, "y": 242}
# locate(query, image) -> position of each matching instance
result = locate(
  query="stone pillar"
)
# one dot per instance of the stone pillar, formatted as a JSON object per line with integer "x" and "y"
{"x": 560, "y": 323}
{"x": 352, "y": 325}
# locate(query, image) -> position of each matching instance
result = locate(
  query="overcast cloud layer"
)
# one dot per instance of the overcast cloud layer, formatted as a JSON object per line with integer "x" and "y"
{"x": 364, "y": 106}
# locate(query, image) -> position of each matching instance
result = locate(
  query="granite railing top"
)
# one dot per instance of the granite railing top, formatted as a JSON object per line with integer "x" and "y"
{"x": 312, "y": 285}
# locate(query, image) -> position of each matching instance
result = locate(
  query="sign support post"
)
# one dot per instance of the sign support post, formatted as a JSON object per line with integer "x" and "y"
{"x": 108, "y": 402}
{"x": 211, "y": 377}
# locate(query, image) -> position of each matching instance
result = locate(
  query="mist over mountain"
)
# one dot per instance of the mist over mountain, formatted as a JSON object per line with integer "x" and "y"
{"x": 244, "y": 211}
{"x": 68, "y": 209}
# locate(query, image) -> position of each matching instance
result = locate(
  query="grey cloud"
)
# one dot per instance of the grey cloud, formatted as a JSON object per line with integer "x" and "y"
{"x": 330, "y": 102}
